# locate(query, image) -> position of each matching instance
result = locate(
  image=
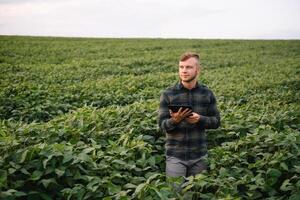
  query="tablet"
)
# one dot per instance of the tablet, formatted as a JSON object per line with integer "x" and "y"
{"x": 175, "y": 108}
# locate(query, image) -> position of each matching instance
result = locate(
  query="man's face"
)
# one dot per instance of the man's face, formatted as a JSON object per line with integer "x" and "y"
{"x": 188, "y": 70}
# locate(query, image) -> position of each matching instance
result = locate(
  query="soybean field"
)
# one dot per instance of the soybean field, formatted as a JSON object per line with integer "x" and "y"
{"x": 78, "y": 118}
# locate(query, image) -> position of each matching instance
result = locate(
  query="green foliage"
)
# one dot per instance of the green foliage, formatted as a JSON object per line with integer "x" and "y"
{"x": 79, "y": 119}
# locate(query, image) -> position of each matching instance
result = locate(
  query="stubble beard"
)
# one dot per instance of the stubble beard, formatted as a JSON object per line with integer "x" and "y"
{"x": 190, "y": 80}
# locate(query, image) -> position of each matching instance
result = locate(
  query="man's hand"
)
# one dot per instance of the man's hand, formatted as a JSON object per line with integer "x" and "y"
{"x": 180, "y": 115}
{"x": 193, "y": 119}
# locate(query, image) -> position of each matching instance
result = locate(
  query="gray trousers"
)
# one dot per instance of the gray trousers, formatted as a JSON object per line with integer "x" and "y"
{"x": 177, "y": 167}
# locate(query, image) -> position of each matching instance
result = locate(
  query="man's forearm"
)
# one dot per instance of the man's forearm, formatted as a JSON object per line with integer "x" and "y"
{"x": 210, "y": 122}
{"x": 167, "y": 125}
{"x": 212, "y": 119}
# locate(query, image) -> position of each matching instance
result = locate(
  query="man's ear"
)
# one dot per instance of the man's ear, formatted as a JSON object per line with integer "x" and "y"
{"x": 199, "y": 68}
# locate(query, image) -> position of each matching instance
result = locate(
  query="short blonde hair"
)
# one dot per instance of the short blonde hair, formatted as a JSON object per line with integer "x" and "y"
{"x": 188, "y": 55}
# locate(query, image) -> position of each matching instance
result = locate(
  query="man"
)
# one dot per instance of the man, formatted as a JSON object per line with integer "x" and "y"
{"x": 185, "y": 129}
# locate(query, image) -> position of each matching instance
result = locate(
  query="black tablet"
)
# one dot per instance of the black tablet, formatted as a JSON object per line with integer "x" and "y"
{"x": 175, "y": 108}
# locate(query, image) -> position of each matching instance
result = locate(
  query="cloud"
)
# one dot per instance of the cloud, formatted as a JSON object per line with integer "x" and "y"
{"x": 15, "y": 2}
{"x": 150, "y": 18}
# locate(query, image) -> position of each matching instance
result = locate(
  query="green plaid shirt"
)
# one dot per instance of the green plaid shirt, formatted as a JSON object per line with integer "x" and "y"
{"x": 188, "y": 141}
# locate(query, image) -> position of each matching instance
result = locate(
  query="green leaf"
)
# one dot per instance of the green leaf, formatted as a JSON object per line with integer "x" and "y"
{"x": 88, "y": 150}
{"x": 295, "y": 196}
{"x": 223, "y": 172}
{"x": 157, "y": 192}
{"x": 47, "y": 160}
{"x": 36, "y": 175}
{"x": 273, "y": 172}
{"x": 3, "y": 178}
{"x": 23, "y": 156}
{"x": 24, "y": 171}
{"x": 153, "y": 177}
{"x": 139, "y": 188}
{"x": 298, "y": 184}
{"x": 272, "y": 176}
{"x": 84, "y": 157}
{"x": 120, "y": 162}
{"x": 129, "y": 186}
{"x": 47, "y": 182}
{"x": 187, "y": 188}
{"x": 94, "y": 184}
{"x": 67, "y": 157}
{"x": 284, "y": 166}
{"x": 286, "y": 185}
{"x": 59, "y": 171}
{"x": 20, "y": 194}
{"x": 12, "y": 192}
{"x": 151, "y": 161}
{"x": 113, "y": 189}
{"x": 45, "y": 196}
{"x": 166, "y": 192}
{"x": 297, "y": 168}
{"x": 107, "y": 198}
{"x": 212, "y": 166}
{"x": 11, "y": 170}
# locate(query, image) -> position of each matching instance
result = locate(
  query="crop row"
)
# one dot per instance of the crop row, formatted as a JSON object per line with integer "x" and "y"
{"x": 79, "y": 119}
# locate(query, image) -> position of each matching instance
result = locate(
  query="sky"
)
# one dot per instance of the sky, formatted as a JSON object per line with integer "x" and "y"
{"x": 206, "y": 19}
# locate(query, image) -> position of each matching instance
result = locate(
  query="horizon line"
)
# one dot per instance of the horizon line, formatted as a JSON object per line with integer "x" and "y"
{"x": 138, "y": 37}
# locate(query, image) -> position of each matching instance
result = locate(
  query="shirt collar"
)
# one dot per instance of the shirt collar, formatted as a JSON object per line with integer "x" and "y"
{"x": 180, "y": 86}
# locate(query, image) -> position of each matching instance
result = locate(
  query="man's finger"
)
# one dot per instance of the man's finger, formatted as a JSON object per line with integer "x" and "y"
{"x": 187, "y": 110}
{"x": 186, "y": 113}
{"x": 180, "y": 109}
{"x": 192, "y": 115}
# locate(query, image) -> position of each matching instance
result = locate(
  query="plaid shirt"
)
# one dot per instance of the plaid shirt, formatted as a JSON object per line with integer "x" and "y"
{"x": 183, "y": 140}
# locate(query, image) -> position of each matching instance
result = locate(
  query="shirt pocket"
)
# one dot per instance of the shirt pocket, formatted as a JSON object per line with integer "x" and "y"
{"x": 201, "y": 103}
{"x": 179, "y": 99}
{"x": 201, "y": 109}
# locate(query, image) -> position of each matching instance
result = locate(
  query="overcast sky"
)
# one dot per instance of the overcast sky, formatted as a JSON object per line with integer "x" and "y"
{"x": 238, "y": 19}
